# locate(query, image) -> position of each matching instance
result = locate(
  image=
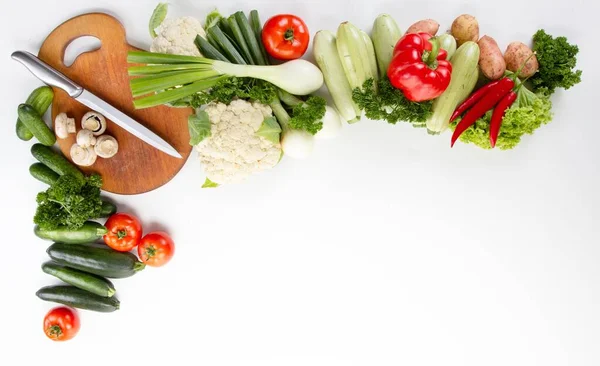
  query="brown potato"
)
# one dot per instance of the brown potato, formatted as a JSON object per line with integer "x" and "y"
{"x": 428, "y": 26}
{"x": 491, "y": 61}
{"x": 465, "y": 28}
{"x": 516, "y": 54}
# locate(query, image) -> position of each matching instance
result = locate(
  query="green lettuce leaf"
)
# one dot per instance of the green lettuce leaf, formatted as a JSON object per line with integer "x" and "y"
{"x": 270, "y": 130}
{"x": 199, "y": 126}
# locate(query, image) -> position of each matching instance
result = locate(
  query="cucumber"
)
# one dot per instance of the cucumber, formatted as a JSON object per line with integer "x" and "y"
{"x": 42, "y": 173}
{"x": 83, "y": 280}
{"x": 108, "y": 209}
{"x": 78, "y": 298}
{"x": 465, "y": 72}
{"x": 97, "y": 259}
{"x": 36, "y": 125}
{"x": 54, "y": 161}
{"x": 89, "y": 232}
{"x": 40, "y": 99}
{"x": 385, "y": 36}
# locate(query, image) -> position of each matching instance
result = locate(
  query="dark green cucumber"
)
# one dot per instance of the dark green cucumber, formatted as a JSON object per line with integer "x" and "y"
{"x": 44, "y": 174}
{"x": 96, "y": 259}
{"x": 86, "y": 281}
{"x": 54, "y": 161}
{"x": 108, "y": 209}
{"x": 40, "y": 99}
{"x": 36, "y": 125}
{"x": 89, "y": 232}
{"x": 78, "y": 298}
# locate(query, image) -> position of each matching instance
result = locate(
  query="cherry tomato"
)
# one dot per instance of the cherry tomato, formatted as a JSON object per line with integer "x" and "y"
{"x": 285, "y": 37}
{"x": 124, "y": 232}
{"x": 156, "y": 249}
{"x": 61, "y": 323}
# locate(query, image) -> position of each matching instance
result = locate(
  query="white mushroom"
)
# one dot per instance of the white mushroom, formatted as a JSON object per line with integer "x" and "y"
{"x": 83, "y": 156}
{"x": 94, "y": 122}
{"x": 61, "y": 125}
{"x": 86, "y": 138}
{"x": 106, "y": 146}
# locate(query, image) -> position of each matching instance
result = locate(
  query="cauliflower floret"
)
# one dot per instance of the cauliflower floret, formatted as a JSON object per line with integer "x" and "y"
{"x": 176, "y": 36}
{"x": 234, "y": 151}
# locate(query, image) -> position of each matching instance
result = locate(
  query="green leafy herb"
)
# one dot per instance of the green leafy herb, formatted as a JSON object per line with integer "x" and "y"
{"x": 70, "y": 201}
{"x": 209, "y": 184}
{"x": 229, "y": 89}
{"x": 270, "y": 130}
{"x": 389, "y": 104}
{"x": 557, "y": 59}
{"x": 213, "y": 18}
{"x": 308, "y": 116}
{"x": 199, "y": 126}
{"x": 528, "y": 113}
{"x": 158, "y": 16}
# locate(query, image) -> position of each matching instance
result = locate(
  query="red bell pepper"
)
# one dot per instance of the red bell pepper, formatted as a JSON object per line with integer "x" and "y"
{"x": 419, "y": 67}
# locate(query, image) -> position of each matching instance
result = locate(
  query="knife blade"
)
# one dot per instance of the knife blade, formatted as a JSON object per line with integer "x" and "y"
{"x": 52, "y": 77}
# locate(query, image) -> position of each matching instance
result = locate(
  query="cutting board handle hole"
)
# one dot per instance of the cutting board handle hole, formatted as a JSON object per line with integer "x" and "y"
{"x": 79, "y": 46}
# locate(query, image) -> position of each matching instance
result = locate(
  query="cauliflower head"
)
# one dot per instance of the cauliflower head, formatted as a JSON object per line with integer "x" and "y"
{"x": 176, "y": 36}
{"x": 233, "y": 152}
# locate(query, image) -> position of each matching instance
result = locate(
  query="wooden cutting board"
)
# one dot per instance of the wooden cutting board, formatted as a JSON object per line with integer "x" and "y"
{"x": 137, "y": 167}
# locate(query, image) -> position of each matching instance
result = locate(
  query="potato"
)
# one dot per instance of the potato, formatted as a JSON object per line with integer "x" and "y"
{"x": 491, "y": 61}
{"x": 465, "y": 28}
{"x": 428, "y": 26}
{"x": 516, "y": 54}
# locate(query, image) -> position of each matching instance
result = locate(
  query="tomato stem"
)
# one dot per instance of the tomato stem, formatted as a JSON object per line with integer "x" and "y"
{"x": 150, "y": 251}
{"x": 54, "y": 331}
{"x": 289, "y": 35}
{"x": 121, "y": 234}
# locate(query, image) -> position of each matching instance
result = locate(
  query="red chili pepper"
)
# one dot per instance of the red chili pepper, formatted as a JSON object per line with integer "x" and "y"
{"x": 419, "y": 67}
{"x": 475, "y": 97}
{"x": 498, "y": 115}
{"x": 488, "y": 102}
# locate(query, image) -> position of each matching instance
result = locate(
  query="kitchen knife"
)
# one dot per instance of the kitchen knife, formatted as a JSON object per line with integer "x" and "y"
{"x": 50, "y": 76}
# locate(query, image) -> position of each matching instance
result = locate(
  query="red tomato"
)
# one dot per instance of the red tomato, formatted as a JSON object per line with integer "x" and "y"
{"x": 285, "y": 37}
{"x": 156, "y": 249}
{"x": 61, "y": 324}
{"x": 124, "y": 232}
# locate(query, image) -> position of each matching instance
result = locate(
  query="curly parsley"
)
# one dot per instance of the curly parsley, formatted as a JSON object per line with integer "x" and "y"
{"x": 557, "y": 59}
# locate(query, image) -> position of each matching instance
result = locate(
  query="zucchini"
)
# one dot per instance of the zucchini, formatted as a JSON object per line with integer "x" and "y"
{"x": 249, "y": 38}
{"x": 447, "y": 42}
{"x": 354, "y": 55}
{"x": 97, "y": 259}
{"x": 54, "y": 161}
{"x": 89, "y": 232}
{"x": 371, "y": 54}
{"x": 108, "y": 209}
{"x": 42, "y": 173}
{"x": 36, "y": 125}
{"x": 465, "y": 73}
{"x": 78, "y": 298}
{"x": 40, "y": 99}
{"x": 86, "y": 281}
{"x": 326, "y": 55}
{"x": 385, "y": 36}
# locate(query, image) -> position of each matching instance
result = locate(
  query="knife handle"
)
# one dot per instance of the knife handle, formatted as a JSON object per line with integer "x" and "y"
{"x": 47, "y": 74}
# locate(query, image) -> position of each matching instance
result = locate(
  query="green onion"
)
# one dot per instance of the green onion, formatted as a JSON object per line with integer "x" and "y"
{"x": 176, "y": 94}
{"x": 226, "y": 46}
{"x": 250, "y": 38}
{"x": 257, "y": 29}
{"x": 207, "y": 49}
{"x": 239, "y": 40}
{"x": 143, "y": 57}
{"x": 162, "y": 81}
{"x": 154, "y": 69}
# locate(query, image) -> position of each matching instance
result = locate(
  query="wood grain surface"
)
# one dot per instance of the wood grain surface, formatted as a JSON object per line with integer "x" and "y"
{"x": 137, "y": 167}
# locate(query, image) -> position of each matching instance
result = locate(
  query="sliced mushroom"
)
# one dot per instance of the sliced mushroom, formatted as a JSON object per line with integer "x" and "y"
{"x": 106, "y": 146}
{"x": 86, "y": 138}
{"x": 83, "y": 156}
{"x": 94, "y": 122}
{"x": 71, "y": 125}
{"x": 61, "y": 125}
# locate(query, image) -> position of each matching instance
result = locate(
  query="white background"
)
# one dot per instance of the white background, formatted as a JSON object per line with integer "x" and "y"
{"x": 385, "y": 248}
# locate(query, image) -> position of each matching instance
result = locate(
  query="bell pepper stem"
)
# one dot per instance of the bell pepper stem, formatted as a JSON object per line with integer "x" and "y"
{"x": 435, "y": 50}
